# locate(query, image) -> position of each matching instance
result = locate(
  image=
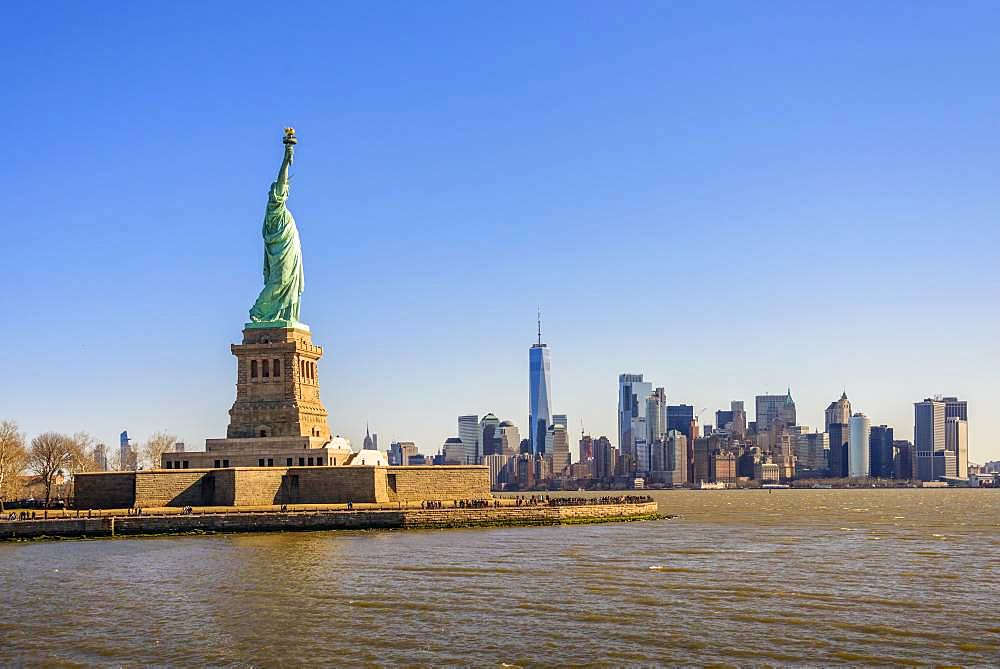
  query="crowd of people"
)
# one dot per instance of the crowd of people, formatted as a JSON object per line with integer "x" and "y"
{"x": 548, "y": 500}
{"x": 607, "y": 499}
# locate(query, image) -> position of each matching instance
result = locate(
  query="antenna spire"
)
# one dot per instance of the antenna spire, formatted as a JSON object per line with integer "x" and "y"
{"x": 539, "y": 327}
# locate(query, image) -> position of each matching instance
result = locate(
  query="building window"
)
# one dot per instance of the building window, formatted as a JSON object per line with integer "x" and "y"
{"x": 187, "y": 464}
{"x": 260, "y": 462}
{"x": 302, "y": 368}
{"x": 225, "y": 464}
{"x": 218, "y": 464}
{"x": 270, "y": 462}
{"x": 277, "y": 367}
{"x": 302, "y": 462}
{"x": 253, "y": 369}
{"x": 168, "y": 464}
{"x": 391, "y": 481}
{"x": 288, "y": 462}
{"x": 319, "y": 461}
{"x": 311, "y": 462}
{"x": 312, "y": 371}
{"x": 263, "y": 433}
{"x": 265, "y": 368}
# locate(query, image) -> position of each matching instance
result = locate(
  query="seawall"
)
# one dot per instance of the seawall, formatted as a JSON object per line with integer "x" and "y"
{"x": 279, "y": 521}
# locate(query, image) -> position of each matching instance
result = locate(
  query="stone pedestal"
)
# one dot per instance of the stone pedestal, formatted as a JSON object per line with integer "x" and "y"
{"x": 277, "y": 386}
{"x": 278, "y": 419}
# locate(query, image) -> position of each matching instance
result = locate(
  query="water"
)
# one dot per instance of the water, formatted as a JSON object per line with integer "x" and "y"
{"x": 741, "y": 577}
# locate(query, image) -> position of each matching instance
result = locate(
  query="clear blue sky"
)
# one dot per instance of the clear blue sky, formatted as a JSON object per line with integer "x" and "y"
{"x": 731, "y": 198}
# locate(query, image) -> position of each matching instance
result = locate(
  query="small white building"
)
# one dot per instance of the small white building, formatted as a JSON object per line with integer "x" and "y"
{"x": 369, "y": 458}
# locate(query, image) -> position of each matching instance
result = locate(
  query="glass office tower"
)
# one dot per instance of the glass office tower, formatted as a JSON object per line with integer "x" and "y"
{"x": 539, "y": 394}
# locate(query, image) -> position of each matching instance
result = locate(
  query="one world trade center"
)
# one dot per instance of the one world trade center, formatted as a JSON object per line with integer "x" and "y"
{"x": 539, "y": 393}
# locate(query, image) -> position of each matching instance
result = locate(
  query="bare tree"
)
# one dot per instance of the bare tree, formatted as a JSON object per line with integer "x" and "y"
{"x": 159, "y": 443}
{"x": 51, "y": 453}
{"x": 82, "y": 445}
{"x": 13, "y": 458}
{"x": 118, "y": 464}
{"x": 83, "y": 452}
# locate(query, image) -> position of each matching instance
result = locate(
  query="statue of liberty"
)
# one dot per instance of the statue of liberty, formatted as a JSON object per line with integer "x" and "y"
{"x": 278, "y": 302}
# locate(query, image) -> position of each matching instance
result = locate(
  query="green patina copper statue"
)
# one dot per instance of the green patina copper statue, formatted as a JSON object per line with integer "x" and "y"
{"x": 277, "y": 306}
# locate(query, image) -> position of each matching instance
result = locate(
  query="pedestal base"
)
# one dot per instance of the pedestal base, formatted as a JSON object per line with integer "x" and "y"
{"x": 276, "y": 325}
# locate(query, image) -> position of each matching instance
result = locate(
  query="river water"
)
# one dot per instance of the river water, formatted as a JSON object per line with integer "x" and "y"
{"x": 814, "y": 577}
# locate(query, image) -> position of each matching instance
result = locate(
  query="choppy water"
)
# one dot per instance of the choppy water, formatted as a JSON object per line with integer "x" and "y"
{"x": 741, "y": 577}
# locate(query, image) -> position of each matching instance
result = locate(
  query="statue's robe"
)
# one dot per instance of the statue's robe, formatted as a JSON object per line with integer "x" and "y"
{"x": 283, "y": 276}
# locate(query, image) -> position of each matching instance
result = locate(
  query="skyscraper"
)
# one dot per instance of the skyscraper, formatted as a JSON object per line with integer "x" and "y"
{"x": 101, "y": 457}
{"x": 656, "y": 416}
{"x": 453, "y": 452}
{"x": 632, "y": 428}
{"x": 722, "y": 419}
{"x": 127, "y": 457}
{"x": 928, "y": 436}
{"x": 586, "y": 447}
{"x": 510, "y": 438}
{"x": 400, "y": 452}
{"x": 605, "y": 459}
{"x": 489, "y": 428}
{"x": 858, "y": 445}
{"x": 838, "y": 457}
{"x": 557, "y": 448}
{"x": 539, "y": 393}
{"x": 956, "y": 440}
{"x": 677, "y": 452}
{"x": 774, "y": 407}
{"x": 881, "y": 452}
{"x": 739, "y": 427}
{"x": 371, "y": 440}
{"x": 468, "y": 432}
{"x": 810, "y": 449}
{"x": 680, "y": 417}
{"x": 955, "y": 408}
{"x": 498, "y": 467}
{"x": 839, "y": 412}
{"x": 902, "y": 459}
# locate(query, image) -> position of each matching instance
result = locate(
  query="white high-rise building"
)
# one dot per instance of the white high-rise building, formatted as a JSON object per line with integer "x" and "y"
{"x": 498, "y": 467}
{"x": 857, "y": 445}
{"x": 468, "y": 432}
{"x": 956, "y": 440}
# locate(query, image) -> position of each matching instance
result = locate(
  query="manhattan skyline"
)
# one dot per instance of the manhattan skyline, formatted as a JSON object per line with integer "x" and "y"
{"x": 730, "y": 203}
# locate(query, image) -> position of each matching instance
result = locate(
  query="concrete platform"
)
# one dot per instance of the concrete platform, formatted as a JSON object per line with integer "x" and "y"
{"x": 245, "y": 520}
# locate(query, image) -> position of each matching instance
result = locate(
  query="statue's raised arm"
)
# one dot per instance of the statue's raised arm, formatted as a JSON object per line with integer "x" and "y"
{"x": 289, "y": 141}
{"x": 278, "y": 302}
